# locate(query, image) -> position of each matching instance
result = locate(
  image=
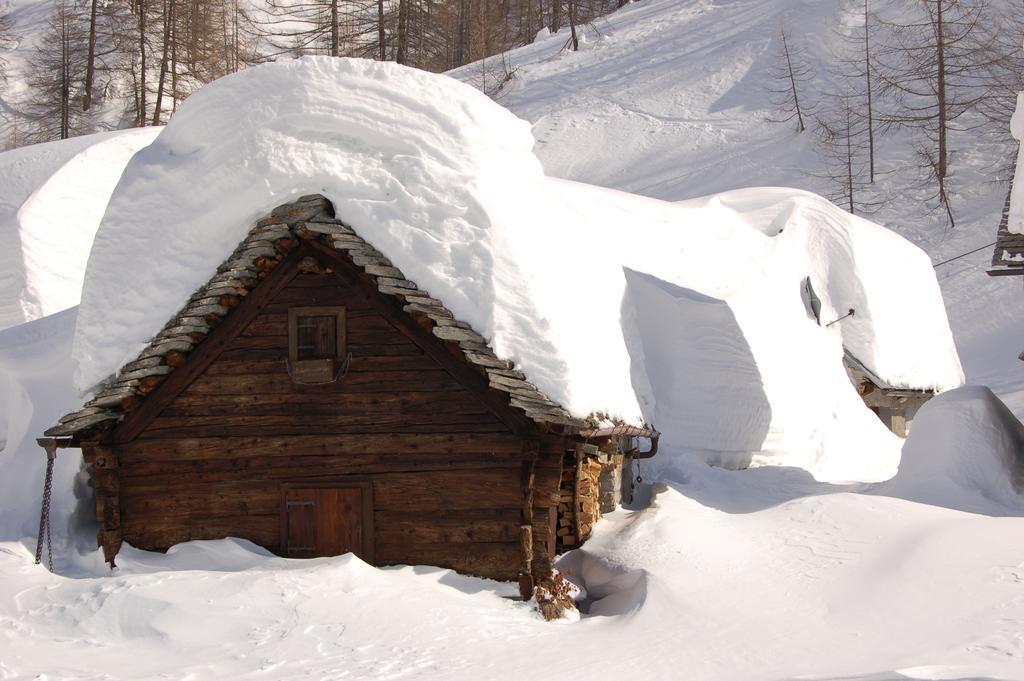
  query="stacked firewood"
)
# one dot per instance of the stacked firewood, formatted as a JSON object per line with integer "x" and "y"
{"x": 578, "y": 506}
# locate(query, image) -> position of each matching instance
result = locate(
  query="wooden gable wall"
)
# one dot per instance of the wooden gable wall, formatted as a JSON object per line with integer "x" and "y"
{"x": 444, "y": 470}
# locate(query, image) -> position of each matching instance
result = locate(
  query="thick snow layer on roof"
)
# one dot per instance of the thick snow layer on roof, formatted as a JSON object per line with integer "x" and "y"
{"x": 425, "y": 168}
{"x": 53, "y": 198}
{"x": 697, "y": 309}
{"x": 601, "y": 297}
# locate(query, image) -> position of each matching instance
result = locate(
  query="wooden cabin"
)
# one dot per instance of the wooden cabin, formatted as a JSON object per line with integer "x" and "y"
{"x": 313, "y": 400}
{"x": 1008, "y": 256}
{"x": 896, "y": 407}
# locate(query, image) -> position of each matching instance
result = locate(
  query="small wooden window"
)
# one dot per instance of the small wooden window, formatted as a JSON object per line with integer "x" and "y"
{"x": 316, "y": 343}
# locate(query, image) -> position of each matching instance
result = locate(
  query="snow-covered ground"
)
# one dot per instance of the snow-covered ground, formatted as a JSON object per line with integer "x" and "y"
{"x": 759, "y": 574}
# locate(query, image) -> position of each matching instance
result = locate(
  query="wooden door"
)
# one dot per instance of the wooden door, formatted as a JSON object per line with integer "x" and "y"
{"x": 327, "y": 521}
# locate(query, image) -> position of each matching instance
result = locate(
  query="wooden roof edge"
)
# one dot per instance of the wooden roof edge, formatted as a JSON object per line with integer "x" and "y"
{"x": 878, "y": 382}
{"x": 266, "y": 245}
{"x": 1008, "y": 270}
{"x": 621, "y": 430}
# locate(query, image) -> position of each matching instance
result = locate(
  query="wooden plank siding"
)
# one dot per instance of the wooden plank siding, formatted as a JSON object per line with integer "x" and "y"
{"x": 380, "y": 396}
{"x": 445, "y": 470}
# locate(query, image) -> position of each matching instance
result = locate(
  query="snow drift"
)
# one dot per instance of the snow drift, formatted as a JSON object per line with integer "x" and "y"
{"x": 53, "y": 198}
{"x": 966, "y": 451}
{"x": 35, "y": 390}
{"x": 444, "y": 182}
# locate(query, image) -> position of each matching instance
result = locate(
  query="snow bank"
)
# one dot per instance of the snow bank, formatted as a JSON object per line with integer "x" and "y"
{"x": 444, "y": 182}
{"x": 53, "y": 198}
{"x": 35, "y": 390}
{"x": 966, "y": 451}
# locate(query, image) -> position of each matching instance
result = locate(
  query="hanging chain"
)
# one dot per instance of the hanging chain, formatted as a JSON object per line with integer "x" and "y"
{"x": 639, "y": 478}
{"x": 44, "y": 513}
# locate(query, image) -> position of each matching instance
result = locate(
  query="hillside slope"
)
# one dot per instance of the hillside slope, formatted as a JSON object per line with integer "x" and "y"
{"x": 669, "y": 99}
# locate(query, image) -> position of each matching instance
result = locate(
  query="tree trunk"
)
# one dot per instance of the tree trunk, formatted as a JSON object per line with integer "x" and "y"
{"x": 572, "y": 26}
{"x": 402, "y": 49}
{"x": 849, "y": 155}
{"x": 90, "y": 65}
{"x": 174, "y": 63}
{"x": 168, "y": 18}
{"x": 461, "y": 51}
{"x": 940, "y": 90}
{"x": 792, "y": 82}
{"x": 65, "y": 76}
{"x": 234, "y": 36}
{"x": 871, "y": 110}
{"x": 142, "y": 59}
{"x": 335, "y": 48}
{"x": 381, "y": 35}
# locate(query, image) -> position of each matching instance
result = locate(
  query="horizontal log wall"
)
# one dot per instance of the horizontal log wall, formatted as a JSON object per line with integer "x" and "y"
{"x": 422, "y": 503}
{"x": 445, "y": 471}
{"x": 381, "y": 392}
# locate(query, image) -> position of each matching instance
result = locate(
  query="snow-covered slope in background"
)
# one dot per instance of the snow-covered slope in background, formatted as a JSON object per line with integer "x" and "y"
{"x": 666, "y": 98}
{"x": 52, "y": 200}
{"x": 670, "y": 99}
{"x": 443, "y": 182}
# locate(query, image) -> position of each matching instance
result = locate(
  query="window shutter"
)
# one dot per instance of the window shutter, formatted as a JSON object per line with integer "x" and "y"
{"x": 316, "y": 337}
{"x": 316, "y": 343}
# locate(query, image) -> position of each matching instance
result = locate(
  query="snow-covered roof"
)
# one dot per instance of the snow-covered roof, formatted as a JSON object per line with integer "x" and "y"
{"x": 1015, "y": 223}
{"x": 688, "y": 315}
{"x": 263, "y": 249}
{"x": 1009, "y": 248}
{"x": 53, "y": 198}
